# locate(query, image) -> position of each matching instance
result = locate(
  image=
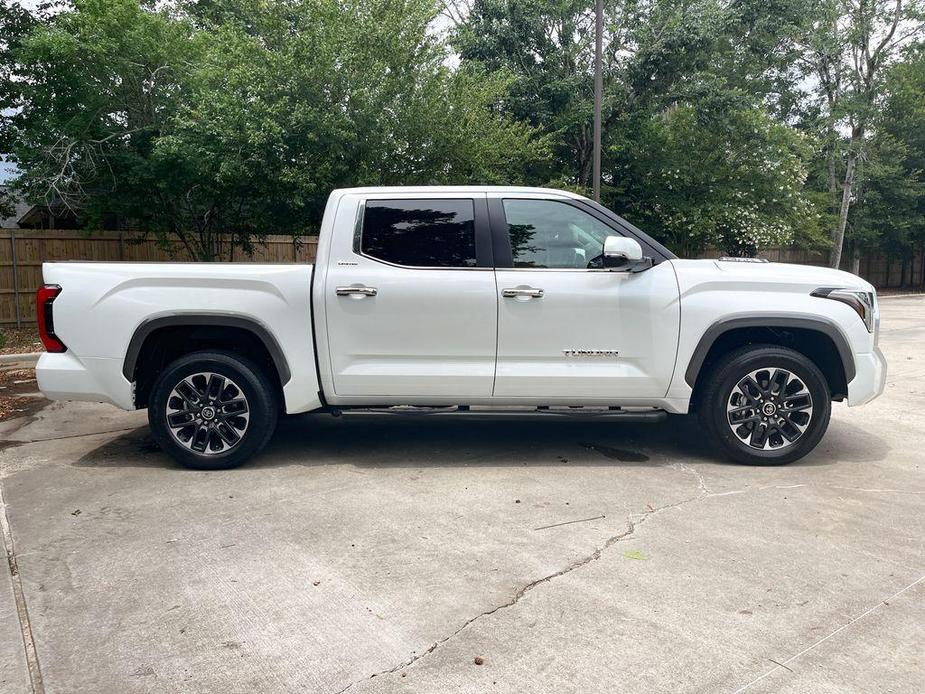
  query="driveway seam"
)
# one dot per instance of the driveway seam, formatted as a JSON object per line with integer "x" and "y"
{"x": 783, "y": 664}
{"x": 22, "y": 612}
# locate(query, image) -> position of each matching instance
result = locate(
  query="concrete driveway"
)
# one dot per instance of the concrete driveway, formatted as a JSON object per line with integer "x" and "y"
{"x": 371, "y": 555}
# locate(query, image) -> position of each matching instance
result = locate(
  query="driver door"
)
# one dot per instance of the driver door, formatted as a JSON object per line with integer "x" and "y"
{"x": 567, "y": 328}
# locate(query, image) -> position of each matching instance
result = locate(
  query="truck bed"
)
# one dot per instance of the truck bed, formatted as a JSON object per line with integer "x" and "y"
{"x": 103, "y": 306}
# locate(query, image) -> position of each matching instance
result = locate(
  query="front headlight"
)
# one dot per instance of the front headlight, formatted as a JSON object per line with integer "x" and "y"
{"x": 861, "y": 302}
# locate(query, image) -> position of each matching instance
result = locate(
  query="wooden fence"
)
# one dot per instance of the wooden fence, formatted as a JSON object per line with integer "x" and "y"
{"x": 22, "y": 253}
{"x": 882, "y": 271}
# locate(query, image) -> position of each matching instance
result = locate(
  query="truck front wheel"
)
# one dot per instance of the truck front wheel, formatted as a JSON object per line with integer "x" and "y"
{"x": 765, "y": 405}
{"x": 212, "y": 410}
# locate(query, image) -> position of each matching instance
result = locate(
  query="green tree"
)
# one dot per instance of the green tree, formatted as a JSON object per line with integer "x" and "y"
{"x": 547, "y": 45}
{"x": 221, "y": 121}
{"x": 94, "y": 87}
{"x": 692, "y": 150}
{"x": 889, "y": 212}
{"x": 7, "y": 206}
{"x": 15, "y": 23}
{"x": 731, "y": 178}
{"x": 846, "y": 48}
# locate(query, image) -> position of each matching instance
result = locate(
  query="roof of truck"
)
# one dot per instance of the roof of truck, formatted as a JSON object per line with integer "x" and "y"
{"x": 371, "y": 190}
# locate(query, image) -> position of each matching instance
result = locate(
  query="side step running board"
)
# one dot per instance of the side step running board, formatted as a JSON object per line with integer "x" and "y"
{"x": 642, "y": 415}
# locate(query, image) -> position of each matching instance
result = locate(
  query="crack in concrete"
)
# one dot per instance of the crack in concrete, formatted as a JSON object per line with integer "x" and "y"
{"x": 23, "y": 442}
{"x": 701, "y": 482}
{"x": 633, "y": 523}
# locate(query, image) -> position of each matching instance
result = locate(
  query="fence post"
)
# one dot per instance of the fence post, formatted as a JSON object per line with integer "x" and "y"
{"x": 121, "y": 249}
{"x": 15, "y": 278}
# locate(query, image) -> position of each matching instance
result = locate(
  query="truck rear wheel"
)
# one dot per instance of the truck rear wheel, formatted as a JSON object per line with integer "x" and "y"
{"x": 765, "y": 405}
{"x": 212, "y": 410}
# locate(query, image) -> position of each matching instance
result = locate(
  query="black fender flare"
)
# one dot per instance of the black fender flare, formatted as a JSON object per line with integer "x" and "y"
{"x": 260, "y": 331}
{"x": 770, "y": 320}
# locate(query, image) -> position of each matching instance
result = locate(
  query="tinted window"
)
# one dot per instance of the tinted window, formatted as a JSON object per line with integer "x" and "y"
{"x": 420, "y": 233}
{"x": 549, "y": 234}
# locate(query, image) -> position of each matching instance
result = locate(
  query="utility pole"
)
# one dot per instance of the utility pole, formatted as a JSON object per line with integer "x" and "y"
{"x": 598, "y": 93}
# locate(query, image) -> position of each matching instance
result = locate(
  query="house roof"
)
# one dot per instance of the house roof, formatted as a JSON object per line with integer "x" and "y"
{"x": 22, "y": 209}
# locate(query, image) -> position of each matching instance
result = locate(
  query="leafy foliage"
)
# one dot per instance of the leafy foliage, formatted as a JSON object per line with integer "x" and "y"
{"x": 846, "y": 48}
{"x": 223, "y": 121}
{"x": 7, "y": 206}
{"x": 738, "y": 125}
{"x": 692, "y": 151}
{"x": 731, "y": 179}
{"x": 890, "y": 209}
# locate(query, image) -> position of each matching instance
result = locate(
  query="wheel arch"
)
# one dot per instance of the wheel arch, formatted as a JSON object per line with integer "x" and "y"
{"x": 816, "y": 338}
{"x": 158, "y": 340}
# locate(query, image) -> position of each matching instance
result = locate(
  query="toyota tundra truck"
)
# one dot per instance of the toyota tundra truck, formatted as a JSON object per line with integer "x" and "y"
{"x": 487, "y": 301}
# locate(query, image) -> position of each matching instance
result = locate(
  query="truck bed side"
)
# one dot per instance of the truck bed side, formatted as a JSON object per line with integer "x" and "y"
{"x": 103, "y": 306}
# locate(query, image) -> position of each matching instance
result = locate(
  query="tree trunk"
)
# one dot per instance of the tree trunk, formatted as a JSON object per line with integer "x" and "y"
{"x": 922, "y": 277}
{"x": 838, "y": 237}
{"x": 832, "y": 177}
{"x": 856, "y": 261}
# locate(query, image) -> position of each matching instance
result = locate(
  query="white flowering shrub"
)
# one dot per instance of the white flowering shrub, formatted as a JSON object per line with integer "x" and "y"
{"x": 733, "y": 179}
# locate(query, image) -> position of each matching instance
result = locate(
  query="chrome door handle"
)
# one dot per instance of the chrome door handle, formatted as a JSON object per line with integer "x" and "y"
{"x": 530, "y": 292}
{"x": 356, "y": 291}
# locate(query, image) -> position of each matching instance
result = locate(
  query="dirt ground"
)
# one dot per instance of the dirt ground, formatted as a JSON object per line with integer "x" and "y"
{"x": 21, "y": 341}
{"x": 18, "y": 396}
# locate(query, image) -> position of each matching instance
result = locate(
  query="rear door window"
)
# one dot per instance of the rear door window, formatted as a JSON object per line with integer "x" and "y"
{"x": 420, "y": 233}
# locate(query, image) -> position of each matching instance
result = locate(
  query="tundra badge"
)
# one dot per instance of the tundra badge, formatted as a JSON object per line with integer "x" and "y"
{"x": 590, "y": 352}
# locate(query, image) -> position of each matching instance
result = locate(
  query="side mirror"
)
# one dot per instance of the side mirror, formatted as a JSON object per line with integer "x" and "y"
{"x": 621, "y": 253}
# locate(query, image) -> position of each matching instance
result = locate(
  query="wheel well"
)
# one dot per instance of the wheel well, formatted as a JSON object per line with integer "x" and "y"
{"x": 813, "y": 344}
{"x": 164, "y": 345}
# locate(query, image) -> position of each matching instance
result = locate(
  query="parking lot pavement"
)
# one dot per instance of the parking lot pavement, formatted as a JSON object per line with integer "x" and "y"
{"x": 388, "y": 555}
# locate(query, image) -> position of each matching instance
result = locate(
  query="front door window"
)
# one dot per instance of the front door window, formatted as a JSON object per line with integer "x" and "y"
{"x": 551, "y": 234}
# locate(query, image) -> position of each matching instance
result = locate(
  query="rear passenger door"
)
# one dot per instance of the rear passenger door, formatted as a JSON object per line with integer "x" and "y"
{"x": 410, "y": 300}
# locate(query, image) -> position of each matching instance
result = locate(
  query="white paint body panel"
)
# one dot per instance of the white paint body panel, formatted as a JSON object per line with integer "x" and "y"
{"x": 443, "y": 337}
{"x": 430, "y": 334}
{"x": 632, "y": 320}
{"x": 712, "y": 291}
{"x": 426, "y": 333}
{"x": 101, "y": 305}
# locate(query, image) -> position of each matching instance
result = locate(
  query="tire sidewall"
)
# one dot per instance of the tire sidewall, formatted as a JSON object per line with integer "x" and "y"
{"x": 731, "y": 372}
{"x": 253, "y": 383}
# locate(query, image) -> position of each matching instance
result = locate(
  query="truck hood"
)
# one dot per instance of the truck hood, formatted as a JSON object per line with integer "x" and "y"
{"x": 774, "y": 276}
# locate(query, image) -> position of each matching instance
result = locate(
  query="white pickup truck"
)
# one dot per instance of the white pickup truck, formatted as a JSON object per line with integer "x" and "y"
{"x": 464, "y": 300}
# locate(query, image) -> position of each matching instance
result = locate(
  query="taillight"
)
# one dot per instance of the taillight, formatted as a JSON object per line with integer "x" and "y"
{"x": 44, "y": 299}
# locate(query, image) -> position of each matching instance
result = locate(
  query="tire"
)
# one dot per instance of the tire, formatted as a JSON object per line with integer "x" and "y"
{"x": 203, "y": 431}
{"x": 765, "y": 405}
